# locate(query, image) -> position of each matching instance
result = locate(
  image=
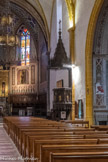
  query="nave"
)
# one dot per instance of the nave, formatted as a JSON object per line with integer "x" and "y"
{"x": 8, "y": 151}
{"x": 43, "y": 140}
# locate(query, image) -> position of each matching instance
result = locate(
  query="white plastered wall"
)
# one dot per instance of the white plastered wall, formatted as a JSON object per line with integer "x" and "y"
{"x": 83, "y": 13}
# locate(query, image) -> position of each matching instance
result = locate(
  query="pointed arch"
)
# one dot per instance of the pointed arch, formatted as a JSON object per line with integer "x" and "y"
{"x": 88, "y": 60}
{"x": 71, "y": 11}
{"x": 38, "y": 13}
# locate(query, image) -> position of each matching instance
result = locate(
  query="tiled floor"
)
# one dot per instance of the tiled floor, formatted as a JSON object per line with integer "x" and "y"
{"x": 8, "y": 151}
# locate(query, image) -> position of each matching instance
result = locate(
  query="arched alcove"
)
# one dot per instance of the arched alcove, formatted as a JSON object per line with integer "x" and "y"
{"x": 89, "y": 61}
{"x": 100, "y": 67}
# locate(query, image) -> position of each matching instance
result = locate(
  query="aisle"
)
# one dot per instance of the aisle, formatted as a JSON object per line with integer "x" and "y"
{"x": 8, "y": 151}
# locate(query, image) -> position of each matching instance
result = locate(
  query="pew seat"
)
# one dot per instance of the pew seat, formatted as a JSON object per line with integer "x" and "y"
{"x": 79, "y": 157}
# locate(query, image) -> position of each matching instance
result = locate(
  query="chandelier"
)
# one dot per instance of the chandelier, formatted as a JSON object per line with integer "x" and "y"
{"x": 7, "y": 36}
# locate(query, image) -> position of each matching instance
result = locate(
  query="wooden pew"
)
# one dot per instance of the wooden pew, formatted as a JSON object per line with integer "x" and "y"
{"x": 34, "y": 133}
{"x": 94, "y": 136}
{"x": 9, "y": 120}
{"x": 15, "y": 126}
{"x": 47, "y": 149}
{"x": 28, "y": 143}
{"x": 38, "y": 143}
{"x": 28, "y": 120}
{"x": 90, "y": 132}
{"x": 103, "y": 141}
{"x": 26, "y": 132}
{"x": 80, "y": 157}
{"x": 77, "y": 122}
{"x": 30, "y": 133}
{"x": 20, "y": 129}
{"x": 60, "y": 130}
{"x": 102, "y": 128}
{"x": 15, "y": 130}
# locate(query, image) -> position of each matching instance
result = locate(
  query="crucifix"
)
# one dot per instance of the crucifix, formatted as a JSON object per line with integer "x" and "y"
{"x": 59, "y": 24}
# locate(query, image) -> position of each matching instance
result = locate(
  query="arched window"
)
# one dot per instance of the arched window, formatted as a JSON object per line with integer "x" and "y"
{"x": 25, "y": 47}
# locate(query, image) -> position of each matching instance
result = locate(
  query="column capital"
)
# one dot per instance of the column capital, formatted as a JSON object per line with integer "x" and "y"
{"x": 71, "y": 29}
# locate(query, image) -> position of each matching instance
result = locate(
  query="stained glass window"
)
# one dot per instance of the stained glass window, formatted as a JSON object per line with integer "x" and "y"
{"x": 25, "y": 47}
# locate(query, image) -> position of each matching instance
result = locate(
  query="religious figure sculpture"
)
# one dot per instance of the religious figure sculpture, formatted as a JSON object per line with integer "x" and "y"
{"x": 23, "y": 77}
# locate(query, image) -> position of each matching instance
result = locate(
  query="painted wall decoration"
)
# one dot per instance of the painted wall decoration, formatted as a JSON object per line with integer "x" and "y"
{"x": 99, "y": 81}
{"x": 99, "y": 88}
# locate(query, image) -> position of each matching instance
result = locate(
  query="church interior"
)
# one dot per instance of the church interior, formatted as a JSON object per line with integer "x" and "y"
{"x": 53, "y": 80}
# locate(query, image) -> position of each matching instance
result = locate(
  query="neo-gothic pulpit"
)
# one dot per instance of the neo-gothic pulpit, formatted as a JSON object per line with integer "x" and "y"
{"x": 62, "y": 103}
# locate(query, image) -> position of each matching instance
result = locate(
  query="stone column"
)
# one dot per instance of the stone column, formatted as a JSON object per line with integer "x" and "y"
{"x": 72, "y": 57}
{"x": 48, "y": 84}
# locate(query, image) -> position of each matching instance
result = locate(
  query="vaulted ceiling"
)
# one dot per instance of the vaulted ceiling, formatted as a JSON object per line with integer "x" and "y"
{"x": 41, "y": 10}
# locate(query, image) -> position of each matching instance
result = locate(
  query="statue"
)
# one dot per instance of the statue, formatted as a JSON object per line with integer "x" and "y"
{"x": 23, "y": 77}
